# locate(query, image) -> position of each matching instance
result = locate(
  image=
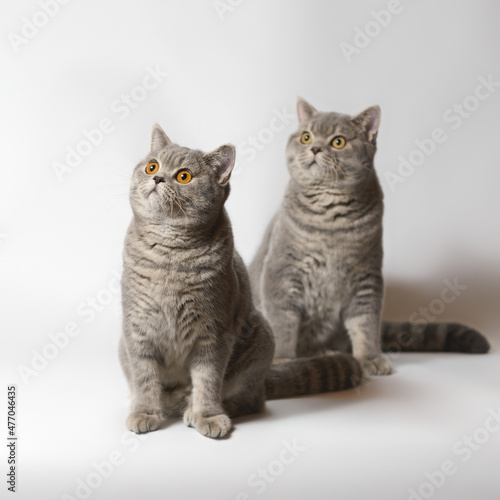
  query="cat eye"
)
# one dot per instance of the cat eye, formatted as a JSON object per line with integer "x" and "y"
{"x": 184, "y": 176}
{"x": 306, "y": 138}
{"x": 152, "y": 167}
{"x": 338, "y": 142}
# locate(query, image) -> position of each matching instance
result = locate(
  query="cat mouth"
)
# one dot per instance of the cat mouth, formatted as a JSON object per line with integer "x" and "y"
{"x": 160, "y": 195}
{"x": 154, "y": 190}
{"x": 316, "y": 160}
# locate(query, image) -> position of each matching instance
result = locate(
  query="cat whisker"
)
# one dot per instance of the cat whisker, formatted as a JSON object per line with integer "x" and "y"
{"x": 341, "y": 171}
{"x": 170, "y": 205}
{"x": 336, "y": 174}
{"x": 114, "y": 202}
{"x": 186, "y": 199}
{"x": 366, "y": 168}
{"x": 185, "y": 215}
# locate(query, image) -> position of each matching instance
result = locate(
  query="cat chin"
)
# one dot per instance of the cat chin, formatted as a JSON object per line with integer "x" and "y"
{"x": 153, "y": 189}
{"x": 155, "y": 201}
{"x": 313, "y": 169}
{"x": 324, "y": 171}
{"x": 158, "y": 199}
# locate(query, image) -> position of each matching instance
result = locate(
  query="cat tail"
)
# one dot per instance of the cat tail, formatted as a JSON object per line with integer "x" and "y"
{"x": 439, "y": 337}
{"x": 301, "y": 376}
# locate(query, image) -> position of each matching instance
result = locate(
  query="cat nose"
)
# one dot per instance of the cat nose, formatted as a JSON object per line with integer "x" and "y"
{"x": 315, "y": 150}
{"x": 158, "y": 179}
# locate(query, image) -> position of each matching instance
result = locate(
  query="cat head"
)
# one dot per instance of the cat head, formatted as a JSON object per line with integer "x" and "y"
{"x": 332, "y": 149}
{"x": 178, "y": 186}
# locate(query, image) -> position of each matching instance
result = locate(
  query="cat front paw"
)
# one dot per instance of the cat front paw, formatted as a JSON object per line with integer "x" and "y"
{"x": 143, "y": 422}
{"x": 214, "y": 427}
{"x": 376, "y": 366}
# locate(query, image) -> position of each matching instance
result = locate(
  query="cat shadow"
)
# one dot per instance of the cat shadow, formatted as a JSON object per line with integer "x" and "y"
{"x": 475, "y": 306}
{"x": 373, "y": 390}
{"x": 171, "y": 421}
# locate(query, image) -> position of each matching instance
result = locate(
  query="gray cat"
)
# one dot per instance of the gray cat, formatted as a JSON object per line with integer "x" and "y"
{"x": 193, "y": 343}
{"x": 317, "y": 275}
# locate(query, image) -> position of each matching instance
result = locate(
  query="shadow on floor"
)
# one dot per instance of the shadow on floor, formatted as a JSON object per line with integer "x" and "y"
{"x": 476, "y": 305}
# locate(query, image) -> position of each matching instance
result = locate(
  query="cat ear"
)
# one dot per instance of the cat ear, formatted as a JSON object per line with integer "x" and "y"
{"x": 159, "y": 139}
{"x": 222, "y": 160}
{"x": 305, "y": 111}
{"x": 369, "y": 119}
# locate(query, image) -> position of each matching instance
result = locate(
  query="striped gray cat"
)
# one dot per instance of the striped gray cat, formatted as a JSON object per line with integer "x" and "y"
{"x": 317, "y": 275}
{"x": 193, "y": 344}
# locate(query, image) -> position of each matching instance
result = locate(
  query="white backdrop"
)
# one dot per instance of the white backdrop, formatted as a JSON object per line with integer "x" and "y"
{"x": 82, "y": 83}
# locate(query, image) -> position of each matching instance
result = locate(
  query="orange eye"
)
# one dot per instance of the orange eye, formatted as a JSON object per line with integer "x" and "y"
{"x": 306, "y": 138}
{"x": 152, "y": 167}
{"x": 338, "y": 142}
{"x": 184, "y": 176}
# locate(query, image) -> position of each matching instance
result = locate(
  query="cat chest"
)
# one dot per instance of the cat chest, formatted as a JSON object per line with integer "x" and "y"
{"x": 169, "y": 306}
{"x": 183, "y": 309}
{"x": 326, "y": 284}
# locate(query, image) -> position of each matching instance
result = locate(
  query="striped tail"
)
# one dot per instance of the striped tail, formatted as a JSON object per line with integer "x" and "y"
{"x": 442, "y": 337}
{"x": 303, "y": 376}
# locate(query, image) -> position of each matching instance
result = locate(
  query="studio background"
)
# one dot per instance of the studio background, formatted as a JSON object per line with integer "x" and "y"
{"x": 212, "y": 72}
